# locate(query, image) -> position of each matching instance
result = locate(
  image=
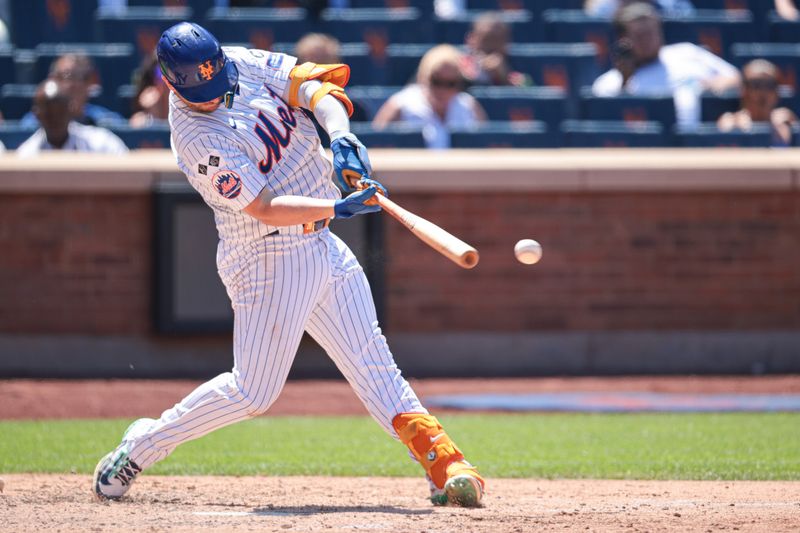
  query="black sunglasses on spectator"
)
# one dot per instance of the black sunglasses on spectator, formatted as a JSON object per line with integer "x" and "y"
{"x": 445, "y": 83}
{"x": 759, "y": 84}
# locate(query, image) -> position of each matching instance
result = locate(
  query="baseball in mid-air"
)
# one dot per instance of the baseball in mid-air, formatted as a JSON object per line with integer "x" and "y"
{"x": 528, "y": 251}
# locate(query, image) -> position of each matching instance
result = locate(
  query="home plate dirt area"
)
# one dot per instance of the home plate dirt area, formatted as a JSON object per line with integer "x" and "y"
{"x": 63, "y": 503}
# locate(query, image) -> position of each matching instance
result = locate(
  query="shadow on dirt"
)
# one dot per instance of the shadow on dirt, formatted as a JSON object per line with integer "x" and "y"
{"x": 306, "y": 510}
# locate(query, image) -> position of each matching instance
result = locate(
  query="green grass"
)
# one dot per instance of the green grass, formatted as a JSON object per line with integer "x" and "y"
{"x": 634, "y": 446}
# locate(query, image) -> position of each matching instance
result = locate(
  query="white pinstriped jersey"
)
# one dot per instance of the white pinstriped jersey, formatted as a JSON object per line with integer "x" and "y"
{"x": 279, "y": 285}
{"x": 230, "y": 155}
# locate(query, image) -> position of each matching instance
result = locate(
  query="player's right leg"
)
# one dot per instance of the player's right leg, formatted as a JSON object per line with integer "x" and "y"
{"x": 270, "y": 310}
{"x": 346, "y": 326}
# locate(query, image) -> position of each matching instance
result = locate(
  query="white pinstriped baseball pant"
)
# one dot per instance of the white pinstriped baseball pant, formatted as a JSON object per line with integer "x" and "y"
{"x": 293, "y": 283}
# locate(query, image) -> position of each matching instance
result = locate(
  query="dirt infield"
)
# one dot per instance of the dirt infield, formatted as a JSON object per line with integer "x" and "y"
{"x": 62, "y": 502}
{"x": 30, "y": 399}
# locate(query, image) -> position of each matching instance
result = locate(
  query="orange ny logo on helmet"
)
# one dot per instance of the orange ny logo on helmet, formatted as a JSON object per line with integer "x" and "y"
{"x": 206, "y": 70}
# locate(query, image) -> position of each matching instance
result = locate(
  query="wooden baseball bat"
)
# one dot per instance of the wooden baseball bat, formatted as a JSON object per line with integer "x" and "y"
{"x": 443, "y": 242}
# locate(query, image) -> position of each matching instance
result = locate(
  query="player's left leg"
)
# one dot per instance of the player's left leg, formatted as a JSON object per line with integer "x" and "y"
{"x": 270, "y": 311}
{"x": 346, "y": 326}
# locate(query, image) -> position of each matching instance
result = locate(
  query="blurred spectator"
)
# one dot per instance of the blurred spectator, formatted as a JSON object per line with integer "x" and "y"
{"x": 52, "y": 104}
{"x": 669, "y": 8}
{"x": 77, "y": 75}
{"x": 152, "y": 95}
{"x": 787, "y": 9}
{"x": 317, "y": 48}
{"x": 324, "y": 49}
{"x": 486, "y": 59}
{"x": 644, "y": 66}
{"x": 759, "y": 104}
{"x": 436, "y": 102}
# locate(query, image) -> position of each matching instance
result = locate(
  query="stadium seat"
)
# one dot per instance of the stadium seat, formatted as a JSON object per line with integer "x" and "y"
{"x": 12, "y": 134}
{"x": 531, "y": 134}
{"x": 125, "y": 95}
{"x": 155, "y": 136}
{"x": 783, "y": 31}
{"x": 569, "y": 66}
{"x": 707, "y": 135}
{"x": 786, "y": 56}
{"x": 115, "y": 64}
{"x": 524, "y": 28}
{"x": 378, "y": 27}
{"x": 364, "y": 68}
{"x": 199, "y": 7}
{"x": 404, "y": 60}
{"x": 608, "y": 134}
{"x": 371, "y": 97}
{"x": 36, "y": 22}
{"x": 424, "y": 6}
{"x": 260, "y": 27}
{"x": 394, "y": 136}
{"x": 537, "y": 7}
{"x": 758, "y": 8}
{"x": 713, "y": 106}
{"x": 522, "y": 104}
{"x": 629, "y": 108}
{"x": 396, "y": 67}
{"x": 140, "y": 25}
{"x": 574, "y": 26}
{"x": 7, "y": 66}
{"x": 16, "y": 99}
{"x": 714, "y": 30}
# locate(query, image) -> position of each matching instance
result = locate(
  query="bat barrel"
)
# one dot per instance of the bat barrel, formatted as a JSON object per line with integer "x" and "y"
{"x": 470, "y": 259}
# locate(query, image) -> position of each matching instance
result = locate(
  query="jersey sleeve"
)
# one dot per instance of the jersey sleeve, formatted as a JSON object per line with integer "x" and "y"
{"x": 225, "y": 176}
{"x": 715, "y": 64}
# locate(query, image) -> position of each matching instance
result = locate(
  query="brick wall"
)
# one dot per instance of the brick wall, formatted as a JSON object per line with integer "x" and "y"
{"x": 81, "y": 264}
{"x": 612, "y": 261}
{"x": 75, "y": 263}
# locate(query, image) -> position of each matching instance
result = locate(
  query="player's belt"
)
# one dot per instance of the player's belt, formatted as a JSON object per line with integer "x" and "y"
{"x": 302, "y": 229}
{"x": 317, "y": 225}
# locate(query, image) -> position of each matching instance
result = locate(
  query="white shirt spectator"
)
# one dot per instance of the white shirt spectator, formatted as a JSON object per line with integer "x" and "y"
{"x": 668, "y": 8}
{"x": 681, "y": 70}
{"x": 415, "y": 110}
{"x": 81, "y": 138}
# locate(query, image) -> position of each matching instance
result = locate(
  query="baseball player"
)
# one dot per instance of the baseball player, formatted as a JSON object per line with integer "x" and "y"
{"x": 240, "y": 133}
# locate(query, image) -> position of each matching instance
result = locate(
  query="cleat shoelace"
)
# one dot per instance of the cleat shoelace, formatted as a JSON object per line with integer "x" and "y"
{"x": 124, "y": 471}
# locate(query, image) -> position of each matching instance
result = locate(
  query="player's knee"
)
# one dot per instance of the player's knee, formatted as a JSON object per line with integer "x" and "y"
{"x": 259, "y": 402}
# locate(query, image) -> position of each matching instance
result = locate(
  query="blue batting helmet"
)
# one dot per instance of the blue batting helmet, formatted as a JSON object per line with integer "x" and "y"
{"x": 194, "y": 64}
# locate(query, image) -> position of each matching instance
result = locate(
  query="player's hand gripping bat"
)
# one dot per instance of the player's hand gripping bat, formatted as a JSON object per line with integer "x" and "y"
{"x": 443, "y": 242}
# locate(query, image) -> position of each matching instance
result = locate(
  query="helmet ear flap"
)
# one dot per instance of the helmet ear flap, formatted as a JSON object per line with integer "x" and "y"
{"x": 166, "y": 71}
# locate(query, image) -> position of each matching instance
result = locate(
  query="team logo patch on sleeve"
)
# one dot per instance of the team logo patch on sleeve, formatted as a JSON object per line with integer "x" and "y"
{"x": 228, "y": 183}
{"x": 275, "y": 60}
